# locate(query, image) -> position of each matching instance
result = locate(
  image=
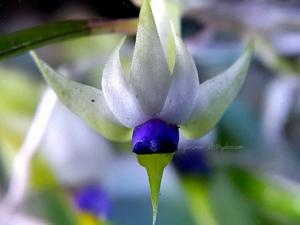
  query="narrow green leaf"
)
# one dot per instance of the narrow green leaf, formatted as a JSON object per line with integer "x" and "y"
{"x": 24, "y": 40}
{"x": 198, "y": 195}
{"x": 267, "y": 194}
{"x": 155, "y": 165}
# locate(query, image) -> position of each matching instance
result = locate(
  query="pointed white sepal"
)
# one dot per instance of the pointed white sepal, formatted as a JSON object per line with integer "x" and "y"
{"x": 86, "y": 101}
{"x": 184, "y": 86}
{"x": 215, "y": 95}
{"x": 118, "y": 95}
{"x": 150, "y": 75}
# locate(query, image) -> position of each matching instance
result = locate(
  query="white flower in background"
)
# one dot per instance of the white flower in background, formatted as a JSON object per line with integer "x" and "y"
{"x": 161, "y": 93}
{"x": 76, "y": 160}
{"x": 9, "y": 217}
{"x": 280, "y": 97}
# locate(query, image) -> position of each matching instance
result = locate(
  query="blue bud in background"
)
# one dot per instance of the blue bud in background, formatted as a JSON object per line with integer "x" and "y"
{"x": 192, "y": 162}
{"x": 93, "y": 200}
{"x": 155, "y": 136}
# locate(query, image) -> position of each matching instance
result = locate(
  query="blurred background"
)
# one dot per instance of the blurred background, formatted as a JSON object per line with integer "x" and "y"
{"x": 245, "y": 171}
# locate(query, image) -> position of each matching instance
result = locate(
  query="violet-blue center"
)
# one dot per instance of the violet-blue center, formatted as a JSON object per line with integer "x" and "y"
{"x": 93, "y": 200}
{"x": 155, "y": 136}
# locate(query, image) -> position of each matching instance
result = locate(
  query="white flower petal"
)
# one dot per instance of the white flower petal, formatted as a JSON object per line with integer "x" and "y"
{"x": 164, "y": 12}
{"x": 86, "y": 101}
{"x": 215, "y": 95}
{"x": 119, "y": 97}
{"x": 184, "y": 87}
{"x": 150, "y": 76}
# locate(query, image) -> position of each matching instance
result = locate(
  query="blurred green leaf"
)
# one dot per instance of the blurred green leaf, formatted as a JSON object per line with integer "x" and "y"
{"x": 197, "y": 191}
{"x": 99, "y": 47}
{"x": 276, "y": 200}
{"x": 54, "y": 206}
{"x": 19, "y": 92}
{"x": 42, "y": 176}
{"x": 230, "y": 207}
{"x": 19, "y": 97}
{"x": 21, "y": 41}
{"x": 48, "y": 199}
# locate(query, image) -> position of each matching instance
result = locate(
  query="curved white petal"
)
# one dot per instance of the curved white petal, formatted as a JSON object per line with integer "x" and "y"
{"x": 150, "y": 76}
{"x": 184, "y": 87}
{"x": 215, "y": 95}
{"x": 165, "y": 11}
{"x": 86, "y": 101}
{"x": 119, "y": 97}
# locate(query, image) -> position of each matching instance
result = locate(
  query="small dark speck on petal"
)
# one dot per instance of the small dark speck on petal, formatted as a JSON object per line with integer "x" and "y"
{"x": 92, "y": 100}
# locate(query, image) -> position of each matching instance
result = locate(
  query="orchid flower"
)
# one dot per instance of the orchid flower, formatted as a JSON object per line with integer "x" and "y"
{"x": 161, "y": 95}
{"x": 154, "y": 90}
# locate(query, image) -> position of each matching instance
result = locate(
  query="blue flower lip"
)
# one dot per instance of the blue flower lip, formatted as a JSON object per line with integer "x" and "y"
{"x": 93, "y": 200}
{"x": 192, "y": 162}
{"x": 154, "y": 137}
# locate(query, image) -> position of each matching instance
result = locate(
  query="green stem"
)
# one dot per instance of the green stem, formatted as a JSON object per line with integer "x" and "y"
{"x": 24, "y": 40}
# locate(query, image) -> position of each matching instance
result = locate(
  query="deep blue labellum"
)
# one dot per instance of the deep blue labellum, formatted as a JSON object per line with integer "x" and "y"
{"x": 155, "y": 136}
{"x": 93, "y": 200}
